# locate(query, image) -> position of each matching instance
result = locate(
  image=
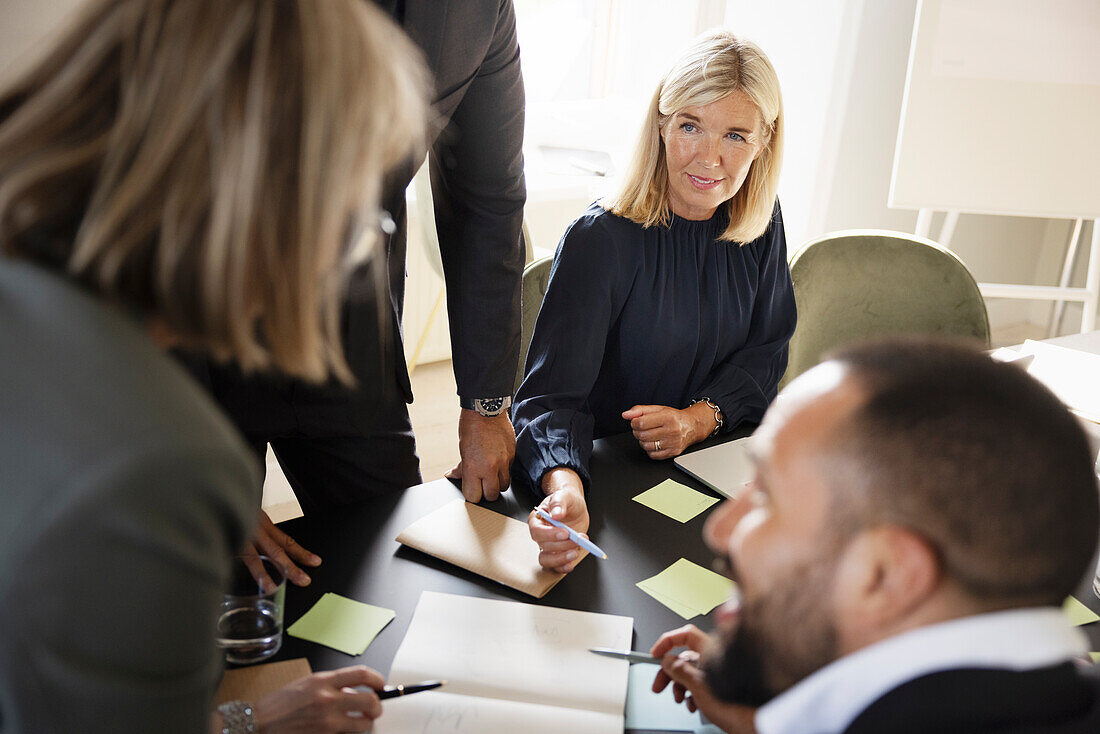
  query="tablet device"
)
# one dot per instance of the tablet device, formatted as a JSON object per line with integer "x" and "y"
{"x": 724, "y": 468}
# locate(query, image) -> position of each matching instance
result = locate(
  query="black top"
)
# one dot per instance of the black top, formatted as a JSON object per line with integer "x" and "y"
{"x": 657, "y": 316}
{"x": 1061, "y": 699}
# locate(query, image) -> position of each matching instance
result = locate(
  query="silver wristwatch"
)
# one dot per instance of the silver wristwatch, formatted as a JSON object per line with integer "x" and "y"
{"x": 488, "y": 407}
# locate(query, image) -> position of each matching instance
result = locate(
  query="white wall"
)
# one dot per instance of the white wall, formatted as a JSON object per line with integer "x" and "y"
{"x": 25, "y": 26}
{"x": 853, "y": 192}
{"x": 842, "y": 67}
{"x": 808, "y": 44}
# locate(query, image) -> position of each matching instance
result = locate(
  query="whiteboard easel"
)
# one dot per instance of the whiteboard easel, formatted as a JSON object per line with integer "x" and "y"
{"x": 1001, "y": 107}
{"x": 1089, "y": 295}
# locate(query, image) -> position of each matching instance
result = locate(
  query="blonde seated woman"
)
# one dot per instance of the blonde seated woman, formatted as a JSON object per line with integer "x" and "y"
{"x": 670, "y": 307}
{"x": 173, "y": 173}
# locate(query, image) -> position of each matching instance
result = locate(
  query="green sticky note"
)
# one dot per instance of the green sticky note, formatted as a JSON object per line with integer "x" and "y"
{"x": 654, "y": 711}
{"x": 1095, "y": 657}
{"x": 691, "y": 585}
{"x": 341, "y": 623}
{"x": 1078, "y": 613}
{"x": 676, "y": 500}
{"x": 683, "y": 611}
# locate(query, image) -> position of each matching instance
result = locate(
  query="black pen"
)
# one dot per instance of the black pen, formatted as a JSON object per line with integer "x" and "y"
{"x": 395, "y": 691}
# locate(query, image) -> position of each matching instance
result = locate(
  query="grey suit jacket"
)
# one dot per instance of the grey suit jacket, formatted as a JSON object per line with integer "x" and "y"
{"x": 476, "y": 165}
{"x": 124, "y": 493}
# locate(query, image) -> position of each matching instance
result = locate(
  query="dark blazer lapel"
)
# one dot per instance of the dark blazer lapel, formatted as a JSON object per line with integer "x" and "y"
{"x": 981, "y": 700}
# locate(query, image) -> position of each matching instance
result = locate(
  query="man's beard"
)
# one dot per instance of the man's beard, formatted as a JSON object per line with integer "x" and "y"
{"x": 780, "y": 639}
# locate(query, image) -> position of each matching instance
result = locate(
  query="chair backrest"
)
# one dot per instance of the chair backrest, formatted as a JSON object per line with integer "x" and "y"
{"x": 857, "y": 284}
{"x": 536, "y": 276}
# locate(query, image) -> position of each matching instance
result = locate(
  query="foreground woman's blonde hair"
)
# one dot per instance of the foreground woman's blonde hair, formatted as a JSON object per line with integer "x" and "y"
{"x": 718, "y": 64}
{"x": 203, "y": 162}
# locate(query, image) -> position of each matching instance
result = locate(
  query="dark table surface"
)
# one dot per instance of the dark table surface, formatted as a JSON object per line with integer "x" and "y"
{"x": 364, "y": 562}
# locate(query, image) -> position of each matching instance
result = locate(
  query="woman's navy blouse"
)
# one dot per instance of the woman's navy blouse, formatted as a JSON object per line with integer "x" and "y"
{"x": 650, "y": 316}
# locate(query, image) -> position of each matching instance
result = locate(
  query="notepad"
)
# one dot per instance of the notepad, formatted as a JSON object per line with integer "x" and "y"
{"x": 510, "y": 667}
{"x": 687, "y": 588}
{"x": 655, "y": 711}
{"x": 676, "y": 500}
{"x": 341, "y": 623}
{"x": 484, "y": 542}
{"x": 1078, "y": 613}
{"x": 680, "y": 608}
{"x": 256, "y": 681}
{"x": 1095, "y": 657}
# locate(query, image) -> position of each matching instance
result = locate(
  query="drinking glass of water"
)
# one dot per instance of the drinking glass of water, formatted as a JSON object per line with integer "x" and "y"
{"x": 250, "y": 627}
{"x": 1096, "y": 581}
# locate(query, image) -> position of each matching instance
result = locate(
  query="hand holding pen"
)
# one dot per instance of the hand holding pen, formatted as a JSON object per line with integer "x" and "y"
{"x": 565, "y": 504}
{"x": 328, "y": 702}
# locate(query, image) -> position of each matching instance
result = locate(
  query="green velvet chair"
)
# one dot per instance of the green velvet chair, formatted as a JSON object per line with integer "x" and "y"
{"x": 857, "y": 284}
{"x": 536, "y": 276}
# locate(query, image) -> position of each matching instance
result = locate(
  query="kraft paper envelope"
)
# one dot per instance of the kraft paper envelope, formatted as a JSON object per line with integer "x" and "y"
{"x": 489, "y": 544}
{"x": 256, "y": 681}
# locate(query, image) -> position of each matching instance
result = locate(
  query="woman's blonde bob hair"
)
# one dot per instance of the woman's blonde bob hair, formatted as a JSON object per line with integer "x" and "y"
{"x": 203, "y": 162}
{"x": 718, "y": 64}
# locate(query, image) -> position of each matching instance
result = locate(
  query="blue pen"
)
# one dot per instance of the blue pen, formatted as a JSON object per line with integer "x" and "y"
{"x": 588, "y": 545}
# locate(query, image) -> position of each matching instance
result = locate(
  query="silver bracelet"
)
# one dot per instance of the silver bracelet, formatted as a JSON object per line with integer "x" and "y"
{"x": 717, "y": 414}
{"x": 238, "y": 717}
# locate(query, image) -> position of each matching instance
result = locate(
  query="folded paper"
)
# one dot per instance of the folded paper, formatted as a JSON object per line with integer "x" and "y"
{"x": 485, "y": 542}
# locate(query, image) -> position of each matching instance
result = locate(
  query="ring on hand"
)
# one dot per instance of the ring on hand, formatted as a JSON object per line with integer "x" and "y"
{"x": 657, "y": 445}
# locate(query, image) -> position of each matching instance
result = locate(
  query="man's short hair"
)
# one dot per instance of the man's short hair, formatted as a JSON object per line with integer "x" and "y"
{"x": 978, "y": 458}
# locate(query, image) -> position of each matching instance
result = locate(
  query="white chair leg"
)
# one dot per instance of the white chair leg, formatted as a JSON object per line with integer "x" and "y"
{"x": 1055, "y": 324}
{"x": 1092, "y": 283}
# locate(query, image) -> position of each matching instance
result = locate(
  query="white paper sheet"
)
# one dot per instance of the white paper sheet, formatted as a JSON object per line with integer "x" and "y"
{"x": 509, "y": 667}
{"x": 1070, "y": 374}
{"x": 444, "y": 712}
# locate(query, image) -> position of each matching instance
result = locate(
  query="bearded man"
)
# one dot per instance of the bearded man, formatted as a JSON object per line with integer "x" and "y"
{"x": 918, "y": 515}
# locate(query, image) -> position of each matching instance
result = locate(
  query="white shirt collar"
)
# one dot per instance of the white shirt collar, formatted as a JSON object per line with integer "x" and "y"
{"x": 831, "y": 698}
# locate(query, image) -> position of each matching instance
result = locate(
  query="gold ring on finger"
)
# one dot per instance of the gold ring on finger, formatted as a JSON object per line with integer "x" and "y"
{"x": 657, "y": 444}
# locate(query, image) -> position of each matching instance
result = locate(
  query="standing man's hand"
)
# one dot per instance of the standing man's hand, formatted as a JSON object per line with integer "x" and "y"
{"x": 486, "y": 446}
{"x": 283, "y": 549}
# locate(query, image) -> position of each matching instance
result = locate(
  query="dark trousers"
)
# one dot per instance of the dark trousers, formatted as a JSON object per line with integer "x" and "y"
{"x": 336, "y": 445}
